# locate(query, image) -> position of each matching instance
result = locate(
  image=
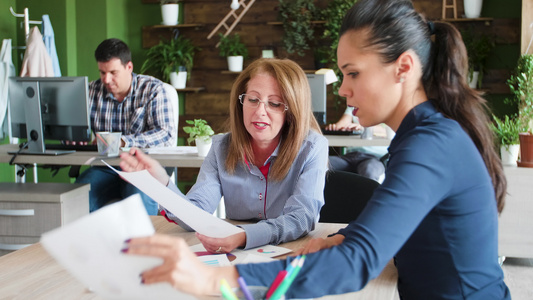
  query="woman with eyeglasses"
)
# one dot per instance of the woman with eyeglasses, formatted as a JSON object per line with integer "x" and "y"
{"x": 270, "y": 168}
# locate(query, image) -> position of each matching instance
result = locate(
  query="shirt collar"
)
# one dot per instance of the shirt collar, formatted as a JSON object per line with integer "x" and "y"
{"x": 416, "y": 115}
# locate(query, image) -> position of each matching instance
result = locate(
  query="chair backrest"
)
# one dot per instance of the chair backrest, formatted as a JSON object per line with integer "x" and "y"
{"x": 172, "y": 95}
{"x": 345, "y": 196}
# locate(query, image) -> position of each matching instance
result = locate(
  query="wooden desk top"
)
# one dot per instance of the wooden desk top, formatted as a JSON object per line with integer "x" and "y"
{"x": 31, "y": 273}
{"x": 92, "y": 158}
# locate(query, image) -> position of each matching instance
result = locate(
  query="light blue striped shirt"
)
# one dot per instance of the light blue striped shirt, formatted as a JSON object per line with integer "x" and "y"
{"x": 285, "y": 210}
{"x": 145, "y": 117}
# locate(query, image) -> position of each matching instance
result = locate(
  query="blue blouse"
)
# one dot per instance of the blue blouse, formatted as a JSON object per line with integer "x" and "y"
{"x": 285, "y": 210}
{"x": 435, "y": 213}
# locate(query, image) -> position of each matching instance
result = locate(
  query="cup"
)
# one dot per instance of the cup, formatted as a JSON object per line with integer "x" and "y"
{"x": 108, "y": 143}
{"x": 368, "y": 133}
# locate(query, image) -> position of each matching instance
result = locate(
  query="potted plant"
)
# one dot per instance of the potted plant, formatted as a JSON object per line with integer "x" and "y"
{"x": 170, "y": 60}
{"x": 201, "y": 133}
{"x": 230, "y": 46}
{"x": 298, "y": 30}
{"x": 169, "y": 12}
{"x": 478, "y": 48}
{"x": 507, "y": 134}
{"x": 521, "y": 85}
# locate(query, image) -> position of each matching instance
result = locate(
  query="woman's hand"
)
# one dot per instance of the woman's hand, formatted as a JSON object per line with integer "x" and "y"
{"x": 318, "y": 244}
{"x": 180, "y": 266}
{"x": 222, "y": 245}
{"x": 136, "y": 160}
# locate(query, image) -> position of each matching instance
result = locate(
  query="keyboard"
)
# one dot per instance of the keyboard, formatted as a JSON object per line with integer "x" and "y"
{"x": 90, "y": 147}
{"x": 341, "y": 132}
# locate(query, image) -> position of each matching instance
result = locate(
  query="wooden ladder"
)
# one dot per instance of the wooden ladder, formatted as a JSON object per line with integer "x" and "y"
{"x": 446, "y": 6}
{"x": 237, "y": 17}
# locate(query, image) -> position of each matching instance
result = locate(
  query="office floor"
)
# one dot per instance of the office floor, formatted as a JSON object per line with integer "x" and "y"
{"x": 518, "y": 274}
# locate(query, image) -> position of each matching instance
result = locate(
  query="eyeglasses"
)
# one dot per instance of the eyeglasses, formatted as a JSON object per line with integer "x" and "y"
{"x": 271, "y": 106}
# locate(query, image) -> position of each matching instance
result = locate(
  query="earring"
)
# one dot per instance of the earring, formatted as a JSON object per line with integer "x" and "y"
{"x": 402, "y": 79}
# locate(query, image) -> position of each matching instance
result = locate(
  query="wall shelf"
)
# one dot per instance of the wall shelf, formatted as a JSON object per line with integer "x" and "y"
{"x": 197, "y": 26}
{"x": 191, "y": 90}
{"x": 464, "y": 20}
{"x": 281, "y": 23}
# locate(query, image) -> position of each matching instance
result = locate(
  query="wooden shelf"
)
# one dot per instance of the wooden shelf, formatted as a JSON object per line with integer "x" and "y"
{"x": 312, "y": 22}
{"x": 464, "y": 20}
{"x": 191, "y": 89}
{"x": 229, "y": 72}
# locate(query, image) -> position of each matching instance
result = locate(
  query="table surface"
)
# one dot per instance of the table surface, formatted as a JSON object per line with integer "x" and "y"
{"x": 93, "y": 159}
{"x": 356, "y": 141}
{"x": 31, "y": 273}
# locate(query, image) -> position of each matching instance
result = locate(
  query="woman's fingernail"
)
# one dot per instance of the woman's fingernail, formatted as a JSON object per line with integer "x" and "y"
{"x": 124, "y": 250}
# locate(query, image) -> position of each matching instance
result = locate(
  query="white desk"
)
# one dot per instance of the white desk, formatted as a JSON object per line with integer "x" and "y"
{"x": 92, "y": 158}
{"x": 355, "y": 141}
{"x": 31, "y": 273}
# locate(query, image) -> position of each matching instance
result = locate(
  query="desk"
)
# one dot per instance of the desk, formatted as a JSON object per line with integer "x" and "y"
{"x": 355, "y": 141}
{"x": 92, "y": 158}
{"x": 31, "y": 273}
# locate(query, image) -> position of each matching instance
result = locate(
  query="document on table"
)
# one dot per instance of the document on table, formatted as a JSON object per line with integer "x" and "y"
{"x": 198, "y": 219}
{"x": 173, "y": 150}
{"x": 89, "y": 248}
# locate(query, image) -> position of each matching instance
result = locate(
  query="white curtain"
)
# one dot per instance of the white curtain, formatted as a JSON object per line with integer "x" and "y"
{"x": 7, "y": 69}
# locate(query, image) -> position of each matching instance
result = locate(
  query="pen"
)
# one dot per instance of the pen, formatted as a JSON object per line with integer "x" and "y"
{"x": 284, "y": 286}
{"x": 244, "y": 289}
{"x": 227, "y": 293}
{"x": 276, "y": 282}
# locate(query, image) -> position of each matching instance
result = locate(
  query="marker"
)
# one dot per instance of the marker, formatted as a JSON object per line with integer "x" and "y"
{"x": 284, "y": 286}
{"x": 276, "y": 282}
{"x": 226, "y": 291}
{"x": 244, "y": 289}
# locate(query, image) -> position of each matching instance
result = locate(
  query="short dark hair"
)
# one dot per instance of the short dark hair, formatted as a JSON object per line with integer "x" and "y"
{"x": 112, "y": 48}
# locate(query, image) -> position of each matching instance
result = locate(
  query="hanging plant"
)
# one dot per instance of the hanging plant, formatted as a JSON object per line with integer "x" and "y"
{"x": 298, "y": 31}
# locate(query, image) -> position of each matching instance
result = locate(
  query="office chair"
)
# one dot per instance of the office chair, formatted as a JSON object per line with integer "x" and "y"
{"x": 345, "y": 195}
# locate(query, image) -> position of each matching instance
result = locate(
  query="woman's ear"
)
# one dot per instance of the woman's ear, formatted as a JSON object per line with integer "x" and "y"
{"x": 405, "y": 65}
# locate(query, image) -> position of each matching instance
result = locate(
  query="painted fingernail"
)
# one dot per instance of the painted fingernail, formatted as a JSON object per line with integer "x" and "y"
{"x": 124, "y": 250}
{"x": 127, "y": 241}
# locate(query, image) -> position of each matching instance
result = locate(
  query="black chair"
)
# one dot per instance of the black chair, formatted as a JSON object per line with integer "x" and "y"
{"x": 345, "y": 195}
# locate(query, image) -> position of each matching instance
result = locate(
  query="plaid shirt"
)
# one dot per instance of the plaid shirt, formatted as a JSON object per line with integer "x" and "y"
{"x": 144, "y": 117}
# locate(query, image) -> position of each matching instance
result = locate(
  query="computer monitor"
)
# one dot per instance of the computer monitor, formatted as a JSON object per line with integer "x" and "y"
{"x": 317, "y": 82}
{"x": 54, "y": 108}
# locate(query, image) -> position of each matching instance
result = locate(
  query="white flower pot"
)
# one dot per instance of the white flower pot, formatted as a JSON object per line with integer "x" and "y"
{"x": 235, "y": 63}
{"x": 510, "y": 155}
{"x": 178, "y": 79}
{"x": 473, "y": 8}
{"x": 203, "y": 146}
{"x": 169, "y": 12}
{"x": 473, "y": 81}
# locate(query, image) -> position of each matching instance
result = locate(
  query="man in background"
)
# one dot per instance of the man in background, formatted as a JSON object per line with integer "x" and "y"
{"x": 135, "y": 105}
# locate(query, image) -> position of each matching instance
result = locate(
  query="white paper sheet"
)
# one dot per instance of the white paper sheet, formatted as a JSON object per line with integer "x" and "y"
{"x": 198, "y": 219}
{"x": 260, "y": 254}
{"x": 89, "y": 248}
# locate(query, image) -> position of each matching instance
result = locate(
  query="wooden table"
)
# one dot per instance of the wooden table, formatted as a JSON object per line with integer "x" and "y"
{"x": 31, "y": 273}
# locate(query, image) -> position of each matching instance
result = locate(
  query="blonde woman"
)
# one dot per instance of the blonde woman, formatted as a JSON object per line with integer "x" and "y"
{"x": 269, "y": 168}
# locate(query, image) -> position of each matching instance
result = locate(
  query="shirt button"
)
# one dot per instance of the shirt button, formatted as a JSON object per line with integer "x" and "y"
{"x": 260, "y": 196}
{"x": 260, "y": 216}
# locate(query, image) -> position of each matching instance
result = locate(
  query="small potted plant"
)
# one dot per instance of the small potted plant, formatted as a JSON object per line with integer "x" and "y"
{"x": 170, "y": 60}
{"x": 507, "y": 132}
{"x": 201, "y": 133}
{"x": 478, "y": 47}
{"x": 231, "y": 47}
{"x": 521, "y": 85}
{"x": 169, "y": 12}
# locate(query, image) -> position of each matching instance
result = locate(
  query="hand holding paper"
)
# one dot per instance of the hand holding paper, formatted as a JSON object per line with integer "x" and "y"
{"x": 196, "y": 218}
